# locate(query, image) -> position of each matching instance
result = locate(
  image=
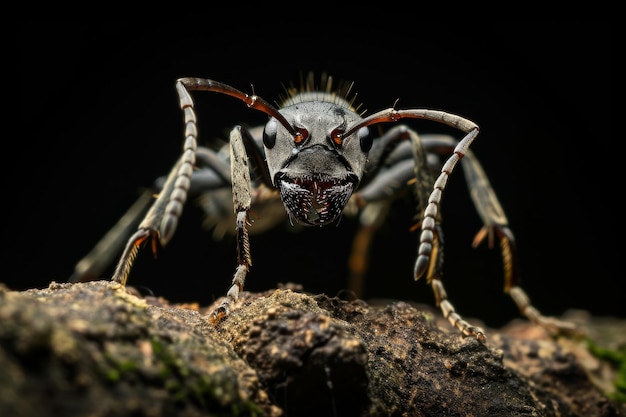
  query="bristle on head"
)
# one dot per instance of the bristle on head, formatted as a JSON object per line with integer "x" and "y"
{"x": 326, "y": 91}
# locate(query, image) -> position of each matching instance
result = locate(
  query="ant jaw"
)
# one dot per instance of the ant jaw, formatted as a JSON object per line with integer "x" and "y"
{"x": 315, "y": 201}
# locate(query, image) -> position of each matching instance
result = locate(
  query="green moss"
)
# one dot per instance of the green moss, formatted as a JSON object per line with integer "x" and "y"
{"x": 617, "y": 359}
{"x": 190, "y": 387}
{"x": 115, "y": 365}
{"x": 113, "y": 375}
{"x": 187, "y": 387}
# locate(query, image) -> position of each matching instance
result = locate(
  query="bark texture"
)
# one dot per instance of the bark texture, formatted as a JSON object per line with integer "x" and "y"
{"x": 94, "y": 349}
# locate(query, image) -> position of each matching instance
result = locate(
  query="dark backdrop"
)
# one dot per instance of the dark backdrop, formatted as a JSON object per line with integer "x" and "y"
{"x": 99, "y": 119}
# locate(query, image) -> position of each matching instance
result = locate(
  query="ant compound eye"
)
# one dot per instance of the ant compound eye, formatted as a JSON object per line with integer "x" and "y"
{"x": 302, "y": 135}
{"x": 269, "y": 134}
{"x": 337, "y": 136}
{"x": 365, "y": 139}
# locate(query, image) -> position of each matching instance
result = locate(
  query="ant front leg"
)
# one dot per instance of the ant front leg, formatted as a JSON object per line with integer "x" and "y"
{"x": 430, "y": 252}
{"x": 240, "y": 174}
{"x": 495, "y": 225}
{"x": 161, "y": 221}
{"x": 429, "y": 257}
{"x": 212, "y": 175}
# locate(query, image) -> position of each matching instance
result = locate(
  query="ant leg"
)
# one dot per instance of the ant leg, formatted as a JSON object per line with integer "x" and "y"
{"x": 371, "y": 218}
{"x": 161, "y": 221}
{"x": 212, "y": 175}
{"x": 374, "y": 201}
{"x": 430, "y": 252}
{"x": 433, "y": 277}
{"x": 495, "y": 225}
{"x": 240, "y": 174}
{"x": 391, "y": 177}
{"x": 92, "y": 265}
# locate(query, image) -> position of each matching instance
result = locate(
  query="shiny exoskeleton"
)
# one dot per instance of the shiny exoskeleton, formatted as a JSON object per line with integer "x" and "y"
{"x": 318, "y": 156}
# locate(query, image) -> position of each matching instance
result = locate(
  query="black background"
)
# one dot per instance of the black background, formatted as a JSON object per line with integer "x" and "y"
{"x": 99, "y": 119}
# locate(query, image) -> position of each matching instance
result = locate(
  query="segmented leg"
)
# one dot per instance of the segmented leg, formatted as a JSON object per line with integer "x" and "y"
{"x": 212, "y": 176}
{"x": 416, "y": 166}
{"x": 92, "y": 265}
{"x": 394, "y": 171}
{"x": 512, "y": 276}
{"x": 162, "y": 218}
{"x": 430, "y": 252}
{"x": 240, "y": 173}
{"x": 495, "y": 225}
{"x": 370, "y": 220}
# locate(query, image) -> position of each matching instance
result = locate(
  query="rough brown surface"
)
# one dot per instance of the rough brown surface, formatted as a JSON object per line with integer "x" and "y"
{"x": 93, "y": 349}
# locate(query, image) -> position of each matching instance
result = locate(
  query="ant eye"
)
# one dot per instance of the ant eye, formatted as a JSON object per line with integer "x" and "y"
{"x": 269, "y": 134}
{"x": 337, "y": 136}
{"x": 365, "y": 139}
{"x": 302, "y": 135}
